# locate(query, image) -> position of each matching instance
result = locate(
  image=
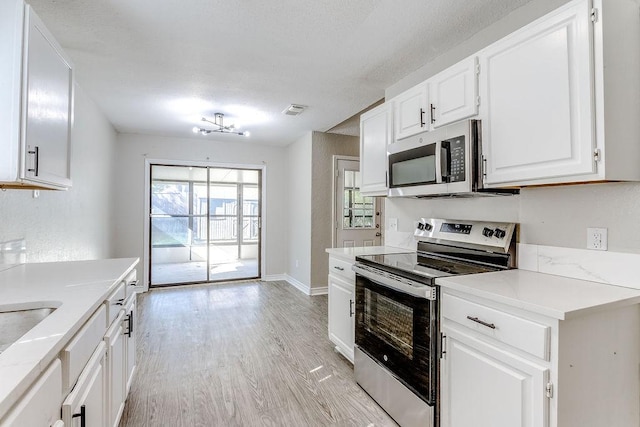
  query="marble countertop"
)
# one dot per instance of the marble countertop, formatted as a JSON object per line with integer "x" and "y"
{"x": 554, "y": 296}
{"x": 75, "y": 289}
{"x": 350, "y": 254}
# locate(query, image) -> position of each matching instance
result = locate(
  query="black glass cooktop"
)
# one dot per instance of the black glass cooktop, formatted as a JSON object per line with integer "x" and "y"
{"x": 422, "y": 265}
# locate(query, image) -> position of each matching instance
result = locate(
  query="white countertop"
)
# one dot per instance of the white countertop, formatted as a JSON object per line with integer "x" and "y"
{"x": 553, "y": 296}
{"x": 350, "y": 254}
{"x": 76, "y": 288}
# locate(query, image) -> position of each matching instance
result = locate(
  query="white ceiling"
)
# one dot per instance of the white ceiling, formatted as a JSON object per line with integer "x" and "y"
{"x": 156, "y": 67}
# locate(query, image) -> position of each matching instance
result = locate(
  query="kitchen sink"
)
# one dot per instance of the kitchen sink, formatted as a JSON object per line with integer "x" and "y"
{"x": 14, "y": 324}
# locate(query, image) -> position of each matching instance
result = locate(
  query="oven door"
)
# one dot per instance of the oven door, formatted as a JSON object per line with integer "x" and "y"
{"x": 400, "y": 332}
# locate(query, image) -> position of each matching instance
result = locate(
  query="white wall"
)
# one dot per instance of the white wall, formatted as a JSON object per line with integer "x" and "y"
{"x": 74, "y": 224}
{"x": 133, "y": 149}
{"x": 299, "y": 209}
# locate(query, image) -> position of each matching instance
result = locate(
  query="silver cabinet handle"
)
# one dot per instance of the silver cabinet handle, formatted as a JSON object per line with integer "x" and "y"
{"x": 134, "y": 283}
{"x": 351, "y": 313}
{"x": 475, "y": 319}
{"x": 422, "y": 123}
{"x": 338, "y": 268}
{"x": 36, "y": 160}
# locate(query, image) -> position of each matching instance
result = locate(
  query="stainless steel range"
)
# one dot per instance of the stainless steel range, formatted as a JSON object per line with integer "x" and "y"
{"x": 397, "y": 349}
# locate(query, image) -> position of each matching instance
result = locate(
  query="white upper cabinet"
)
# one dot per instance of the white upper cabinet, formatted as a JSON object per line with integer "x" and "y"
{"x": 376, "y": 132}
{"x": 411, "y": 111}
{"x": 454, "y": 93}
{"x": 36, "y": 102}
{"x": 550, "y": 111}
{"x": 537, "y": 92}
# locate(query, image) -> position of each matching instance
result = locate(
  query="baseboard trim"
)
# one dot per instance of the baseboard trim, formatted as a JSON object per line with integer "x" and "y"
{"x": 274, "y": 277}
{"x": 296, "y": 284}
{"x": 320, "y": 291}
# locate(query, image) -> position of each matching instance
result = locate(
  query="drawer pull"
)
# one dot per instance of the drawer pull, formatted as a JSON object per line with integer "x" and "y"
{"x": 351, "y": 312}
{"x": 82, "y": 415}
{"x": 134, "y": 283}
{"x": 338, "y": 268}
{"x": 475, "y": 319}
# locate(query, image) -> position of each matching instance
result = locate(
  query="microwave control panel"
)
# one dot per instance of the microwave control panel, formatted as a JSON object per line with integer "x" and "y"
{"x": 457, "y": 166}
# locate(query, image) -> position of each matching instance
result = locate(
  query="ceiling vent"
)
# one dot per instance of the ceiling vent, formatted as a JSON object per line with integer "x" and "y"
{"x": 294, "y": 110}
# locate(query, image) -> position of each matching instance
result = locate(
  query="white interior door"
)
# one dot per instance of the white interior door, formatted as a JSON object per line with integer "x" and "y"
{"x": 357, "y": 217}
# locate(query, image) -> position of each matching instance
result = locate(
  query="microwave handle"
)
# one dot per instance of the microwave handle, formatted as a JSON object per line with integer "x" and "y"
{"x": 439, "y": 159}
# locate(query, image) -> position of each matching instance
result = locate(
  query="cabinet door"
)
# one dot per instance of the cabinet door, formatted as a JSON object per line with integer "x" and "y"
{"x": 341, "y": 315}
{"x": 130, "y": 342}
{"x": 411, "y": 113}
{"x": 536, "y": 94}
{"x": 375, "y": 134}
{"x": 454, "y": 93}
{"x": 40, "y": 406}
{"x": 484, "y": 386}
{"x": 116, "y": 360}
{"x": 90, "y": 393}
{"x": 47, "y": 107}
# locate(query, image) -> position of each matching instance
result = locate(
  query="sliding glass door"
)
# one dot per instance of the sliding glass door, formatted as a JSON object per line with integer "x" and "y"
{"x": 205, "y": 224}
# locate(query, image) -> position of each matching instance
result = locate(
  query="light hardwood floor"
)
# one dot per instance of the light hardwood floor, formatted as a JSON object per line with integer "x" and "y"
{"x": 249, "y": 354}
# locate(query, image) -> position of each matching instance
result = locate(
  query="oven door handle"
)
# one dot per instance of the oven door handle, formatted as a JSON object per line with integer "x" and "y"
{"x": 401, "y": 284}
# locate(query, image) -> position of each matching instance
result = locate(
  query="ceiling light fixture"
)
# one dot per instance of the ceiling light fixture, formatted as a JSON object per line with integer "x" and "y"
{"x": 218, "y": 120}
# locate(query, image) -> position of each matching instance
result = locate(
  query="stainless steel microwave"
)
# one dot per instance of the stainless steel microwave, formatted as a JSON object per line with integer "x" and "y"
{"x": 444, "y": 162}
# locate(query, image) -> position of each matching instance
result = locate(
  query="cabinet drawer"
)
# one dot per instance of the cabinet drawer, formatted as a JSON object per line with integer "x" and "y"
{"x": 115, "y": 303}
{"x": 130, "y": 282}
{"x": 40, "y": 406}
{"x": 341, "y": 268}
{"x": 88, "y": 392}
{"x": 76, "y": 355}
{"x": 520, "y": 333}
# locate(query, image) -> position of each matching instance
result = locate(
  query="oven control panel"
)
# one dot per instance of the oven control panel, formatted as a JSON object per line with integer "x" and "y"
{"x": 449, "y": 227}
{"x": 482, "y": 233}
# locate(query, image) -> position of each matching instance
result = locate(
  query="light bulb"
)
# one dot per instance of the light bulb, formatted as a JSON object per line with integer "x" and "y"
{"x": 246, "y": 133}
{"x": 196, "y": 129}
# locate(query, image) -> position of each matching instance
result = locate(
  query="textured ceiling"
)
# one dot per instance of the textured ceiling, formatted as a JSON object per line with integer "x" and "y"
{"x": 156, "y": 67}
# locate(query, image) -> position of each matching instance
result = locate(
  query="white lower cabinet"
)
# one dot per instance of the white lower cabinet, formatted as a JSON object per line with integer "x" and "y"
{"x": 342, "y": 306}
{"x": 502, "y": 366}
{"x": 86, "y": 404}
{"x": 341, "y": 315}
{"x": 130, "y": 340}
{"x": 484, "y": 386}
{"x": 40, "y": 407}
{"x": 116, "y": 363}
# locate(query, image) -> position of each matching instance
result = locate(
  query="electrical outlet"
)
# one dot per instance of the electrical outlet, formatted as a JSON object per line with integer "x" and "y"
{"x": 597, "y": 239}
{"x": 393, "y": 224}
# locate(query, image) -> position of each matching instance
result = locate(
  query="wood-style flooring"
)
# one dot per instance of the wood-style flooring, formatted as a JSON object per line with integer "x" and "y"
{"x": 248, "y": 354}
